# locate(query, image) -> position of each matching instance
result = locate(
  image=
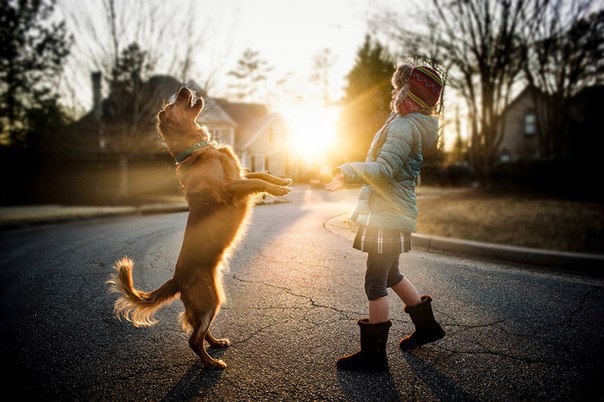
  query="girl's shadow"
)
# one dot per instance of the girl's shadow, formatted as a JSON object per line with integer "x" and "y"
{"x": 360, "y": 386}
{"x": 441, "y": 386}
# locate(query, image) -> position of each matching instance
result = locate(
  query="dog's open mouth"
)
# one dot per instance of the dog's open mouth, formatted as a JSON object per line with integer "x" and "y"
{"x": 185, "y": 94}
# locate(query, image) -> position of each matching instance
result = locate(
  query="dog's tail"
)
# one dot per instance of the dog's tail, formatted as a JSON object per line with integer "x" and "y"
{"x": 133, "y": 305}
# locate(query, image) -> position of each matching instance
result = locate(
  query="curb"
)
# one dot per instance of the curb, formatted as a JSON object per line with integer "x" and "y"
{"x": 67, "y": 214}
{"x": 54, "y": 214}
{"x": 591, "y": 264}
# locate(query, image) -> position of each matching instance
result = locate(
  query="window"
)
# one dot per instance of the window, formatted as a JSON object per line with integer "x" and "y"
{"x": 530, "y": 124}
{"x": 505, "y": 155}
{"x": 217, "y": 135}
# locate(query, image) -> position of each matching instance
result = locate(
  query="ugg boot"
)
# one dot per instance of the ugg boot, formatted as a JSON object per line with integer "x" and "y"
{"x": 372, "y": 356}
{"x": 426, "y": 328}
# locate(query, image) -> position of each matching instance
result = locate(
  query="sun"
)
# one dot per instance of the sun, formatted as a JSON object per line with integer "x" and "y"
{"x": 313, "y": 130}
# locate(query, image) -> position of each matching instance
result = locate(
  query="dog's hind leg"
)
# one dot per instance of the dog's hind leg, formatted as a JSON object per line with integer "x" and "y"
{"x": 200, "y": 331}
{"x": 216, "y": 342}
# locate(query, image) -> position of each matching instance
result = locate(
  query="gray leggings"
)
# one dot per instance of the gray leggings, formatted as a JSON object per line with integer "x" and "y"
{"x": 382, "y": 273}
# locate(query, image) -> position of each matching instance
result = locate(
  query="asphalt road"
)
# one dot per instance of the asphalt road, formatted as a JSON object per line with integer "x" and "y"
{"x": 295, "y": 291}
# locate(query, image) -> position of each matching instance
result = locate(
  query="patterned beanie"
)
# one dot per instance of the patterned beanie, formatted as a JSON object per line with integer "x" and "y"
{"x": 424, "y": 88}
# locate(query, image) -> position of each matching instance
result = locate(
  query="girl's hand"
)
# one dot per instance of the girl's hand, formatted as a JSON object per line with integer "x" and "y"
{"x": 337, "y": 183}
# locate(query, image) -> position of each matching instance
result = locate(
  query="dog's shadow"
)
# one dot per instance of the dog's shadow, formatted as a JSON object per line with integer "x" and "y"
{"x": 196, "y": 380}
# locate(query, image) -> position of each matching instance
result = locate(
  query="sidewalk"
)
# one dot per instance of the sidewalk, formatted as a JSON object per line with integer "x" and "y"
{"x": 14, "y": 217}
{"x": 591, "y": 264}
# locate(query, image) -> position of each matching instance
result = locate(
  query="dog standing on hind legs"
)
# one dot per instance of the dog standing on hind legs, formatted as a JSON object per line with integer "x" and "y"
{"x": 219, "y": 197}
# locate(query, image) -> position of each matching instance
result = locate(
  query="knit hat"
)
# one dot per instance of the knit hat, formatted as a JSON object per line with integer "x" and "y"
{"x": 425, "y": 86}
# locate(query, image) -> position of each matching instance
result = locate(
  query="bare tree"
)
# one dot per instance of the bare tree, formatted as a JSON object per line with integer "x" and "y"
{"x": 134, "y": 41}
{"x": 478, "y": 42}
{"x": 170, "y": 36}
{"x": 565, "y": 51}
{"x": 322, "y": 70}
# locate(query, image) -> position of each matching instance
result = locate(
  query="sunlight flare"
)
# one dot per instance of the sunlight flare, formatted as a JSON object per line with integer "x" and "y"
{"x": 313, "y": 129}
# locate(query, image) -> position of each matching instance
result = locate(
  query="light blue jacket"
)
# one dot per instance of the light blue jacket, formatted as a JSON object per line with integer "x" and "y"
{"x": 387, "y": 199}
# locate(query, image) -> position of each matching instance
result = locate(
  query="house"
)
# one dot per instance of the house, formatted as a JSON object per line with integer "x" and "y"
{"x": 124, "y": 122}
{"x": 261, "y": 137}
{"x": 581, "y": 134}
{"x": 258, "y": 136}
{"x": 520, "y": 139}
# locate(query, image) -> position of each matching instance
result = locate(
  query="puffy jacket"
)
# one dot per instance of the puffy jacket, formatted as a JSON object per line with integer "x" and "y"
{"x": 387, "y": 199}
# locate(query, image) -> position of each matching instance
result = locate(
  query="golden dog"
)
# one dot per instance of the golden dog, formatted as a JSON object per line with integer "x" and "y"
{"x": 219, "y": 197}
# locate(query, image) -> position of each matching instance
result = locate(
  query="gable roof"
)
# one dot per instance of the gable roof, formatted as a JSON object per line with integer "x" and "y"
{"x": 250, "y": 119}
{"x": 527, "y": 91}
{"x": 213, "y": 113}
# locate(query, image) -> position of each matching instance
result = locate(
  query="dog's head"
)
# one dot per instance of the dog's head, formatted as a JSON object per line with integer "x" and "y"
{"x": 177, "y": 122}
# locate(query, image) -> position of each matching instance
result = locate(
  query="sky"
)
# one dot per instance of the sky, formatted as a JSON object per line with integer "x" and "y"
{"x": 288, "y": 34}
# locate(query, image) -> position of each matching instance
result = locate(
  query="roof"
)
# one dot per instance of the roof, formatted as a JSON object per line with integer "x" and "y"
{"x": 527, "y": 91}
{"x": 250, "y": 118}
{"x": 213, "y": 113}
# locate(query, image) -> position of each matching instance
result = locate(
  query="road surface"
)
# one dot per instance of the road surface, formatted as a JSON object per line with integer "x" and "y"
{"x": 295, "y": 292}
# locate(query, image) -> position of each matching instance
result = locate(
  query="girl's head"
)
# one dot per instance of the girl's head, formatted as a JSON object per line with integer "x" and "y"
{"x": 416, "y": 89}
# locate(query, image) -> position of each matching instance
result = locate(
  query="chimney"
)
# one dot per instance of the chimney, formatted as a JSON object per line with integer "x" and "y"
{"x": 96, "y": 94}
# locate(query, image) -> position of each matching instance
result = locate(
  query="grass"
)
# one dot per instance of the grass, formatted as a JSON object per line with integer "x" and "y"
{"x": 526, "y": 221}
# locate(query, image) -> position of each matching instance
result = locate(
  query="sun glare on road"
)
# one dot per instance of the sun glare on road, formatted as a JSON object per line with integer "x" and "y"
{"x": 313, "y": 130}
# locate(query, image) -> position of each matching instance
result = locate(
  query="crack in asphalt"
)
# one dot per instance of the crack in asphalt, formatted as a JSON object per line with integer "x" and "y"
{"x": 252, "y": 335}
{"x": 309, "y": 299}
{"x": 580, "y": 305}
{"x": 523, "y": 359}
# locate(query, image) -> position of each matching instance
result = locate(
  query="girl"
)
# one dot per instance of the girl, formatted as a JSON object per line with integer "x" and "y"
{"x": 386, "y": 214}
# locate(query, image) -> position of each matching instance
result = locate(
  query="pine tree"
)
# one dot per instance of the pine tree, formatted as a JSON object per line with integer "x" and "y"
{"x": 366, "y": 101}
{"x": 250, "y": 76}
{"x": 32, "y": 52}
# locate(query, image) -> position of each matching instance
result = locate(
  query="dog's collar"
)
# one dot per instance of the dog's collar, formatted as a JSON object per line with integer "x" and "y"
{"x": 181, "y": 157}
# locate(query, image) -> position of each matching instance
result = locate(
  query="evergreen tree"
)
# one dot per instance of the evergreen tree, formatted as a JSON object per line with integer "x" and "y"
{"x": 32, "y": 52}
{"x": 250, "y": 76}
{"x": 366, "y": 101}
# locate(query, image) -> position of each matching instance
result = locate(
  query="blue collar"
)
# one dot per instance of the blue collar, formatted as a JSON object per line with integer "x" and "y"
{"x": 181, "y": 157}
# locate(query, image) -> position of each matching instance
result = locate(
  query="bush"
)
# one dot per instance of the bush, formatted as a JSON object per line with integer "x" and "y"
{"x": 556, "y": 177}
{"x": 455, "y": 175}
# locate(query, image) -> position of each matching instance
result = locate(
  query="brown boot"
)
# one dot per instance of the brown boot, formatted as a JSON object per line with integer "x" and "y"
{"x": 372, "y": 356}
{"x": 426, "y": 328}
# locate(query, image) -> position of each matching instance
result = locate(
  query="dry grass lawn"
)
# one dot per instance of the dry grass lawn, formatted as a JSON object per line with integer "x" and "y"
{"x": 514, "y": 220}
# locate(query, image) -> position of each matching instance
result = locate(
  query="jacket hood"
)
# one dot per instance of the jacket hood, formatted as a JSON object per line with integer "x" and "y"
{"x": 428, "y": 128}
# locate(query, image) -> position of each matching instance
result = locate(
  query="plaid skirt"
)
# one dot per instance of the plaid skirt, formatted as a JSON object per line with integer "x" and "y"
{"x": 381, "y": 241}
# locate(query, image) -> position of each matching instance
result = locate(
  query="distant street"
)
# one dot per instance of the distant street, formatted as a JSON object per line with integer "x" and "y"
{"x": 295, "y": 291}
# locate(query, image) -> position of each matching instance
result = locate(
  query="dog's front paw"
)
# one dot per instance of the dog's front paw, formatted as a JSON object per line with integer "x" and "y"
{"x": 286, "y": 181}
{"x": 215, "y": 364}
{"x": 279, "y": 191}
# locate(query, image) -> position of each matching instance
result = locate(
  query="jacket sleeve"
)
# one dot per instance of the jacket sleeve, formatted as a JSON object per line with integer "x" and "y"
{"x": 392, "y": 157}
